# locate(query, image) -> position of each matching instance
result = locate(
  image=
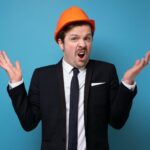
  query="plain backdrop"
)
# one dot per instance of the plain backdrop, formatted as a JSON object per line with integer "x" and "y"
{"x": 122, "y": 36}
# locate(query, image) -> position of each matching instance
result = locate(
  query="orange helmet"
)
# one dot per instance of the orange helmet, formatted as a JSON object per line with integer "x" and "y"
{"x": 72, "y": 14}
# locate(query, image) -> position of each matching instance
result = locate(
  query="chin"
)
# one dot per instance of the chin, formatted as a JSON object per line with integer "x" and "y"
{"x": 81, "y": 64}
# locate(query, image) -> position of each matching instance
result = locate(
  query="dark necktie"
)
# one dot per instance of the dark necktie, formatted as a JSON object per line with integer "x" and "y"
{"x": 73, "y": 115}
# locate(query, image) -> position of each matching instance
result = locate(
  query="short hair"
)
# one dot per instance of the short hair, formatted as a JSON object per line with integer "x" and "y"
{"x": 62, "y": 33}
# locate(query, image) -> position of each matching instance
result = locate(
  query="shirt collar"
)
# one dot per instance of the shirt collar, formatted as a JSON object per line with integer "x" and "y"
{"x": 68, "y": 68}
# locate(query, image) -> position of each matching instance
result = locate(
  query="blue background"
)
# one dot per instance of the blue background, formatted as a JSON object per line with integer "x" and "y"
{"x": 122, "y": 36}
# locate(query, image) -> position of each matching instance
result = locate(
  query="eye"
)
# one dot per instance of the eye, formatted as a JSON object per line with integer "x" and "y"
{"x": 88, "y": 38}
{"x": 74, "y": 38}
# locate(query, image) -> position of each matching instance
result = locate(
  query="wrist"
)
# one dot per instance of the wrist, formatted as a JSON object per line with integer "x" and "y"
{"x": 15, "y": 80}
{"x": 127, "y": 81}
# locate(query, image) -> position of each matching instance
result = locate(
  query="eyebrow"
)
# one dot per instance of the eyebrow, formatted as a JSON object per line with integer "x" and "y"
{"x": 89, "y": 34}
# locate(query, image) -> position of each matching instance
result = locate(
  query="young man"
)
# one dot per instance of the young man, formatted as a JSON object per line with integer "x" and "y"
{"x": 74, "y": 105}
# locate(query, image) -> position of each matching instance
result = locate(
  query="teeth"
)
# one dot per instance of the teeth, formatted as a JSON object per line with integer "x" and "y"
{"x": 81, "y": 53}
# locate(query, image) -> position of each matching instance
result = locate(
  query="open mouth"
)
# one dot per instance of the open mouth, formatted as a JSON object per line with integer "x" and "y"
{"x": 81, "y": 54}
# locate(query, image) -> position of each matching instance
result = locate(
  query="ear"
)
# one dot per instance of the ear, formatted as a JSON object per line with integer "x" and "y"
{"x": 61, "y": 44}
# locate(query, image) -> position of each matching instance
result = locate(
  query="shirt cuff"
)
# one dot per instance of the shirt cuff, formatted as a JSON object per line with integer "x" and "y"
{"x": 13, "y": 85}
{"x": 130, "y": 87}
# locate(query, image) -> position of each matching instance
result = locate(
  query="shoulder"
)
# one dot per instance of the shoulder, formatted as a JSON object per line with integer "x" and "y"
{"x": 103, "y": 70}
{"x": 46, "y": 71}
{"x": 101, "y": 64}
{"x": 46, "y": 68}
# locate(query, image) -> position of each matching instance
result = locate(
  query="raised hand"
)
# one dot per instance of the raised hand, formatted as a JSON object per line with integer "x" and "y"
{"x": 136, "y": 69}
{"x": 14, "y": 72}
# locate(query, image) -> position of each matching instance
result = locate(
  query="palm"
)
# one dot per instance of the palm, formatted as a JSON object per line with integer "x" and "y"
{"x": 14, "y": 72}
{"x": 136, "y": 69}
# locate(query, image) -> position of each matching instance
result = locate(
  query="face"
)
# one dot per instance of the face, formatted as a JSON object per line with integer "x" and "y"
{"x": 77, "y": 45}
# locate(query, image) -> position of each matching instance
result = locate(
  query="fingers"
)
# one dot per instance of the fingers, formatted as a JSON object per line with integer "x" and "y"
{"x": 18, "y": 65}
{"x": 147, "y": 57}
{"x": 137, "y": 62}
{"x": 2, "y": 58}
{"x": 144, "y": 61}
{"x": 14, "y": 72}
{"x": 1, "y": 63}
{"x": 5, "y": 63}
{"x": 6, "y": 58}
{"x": 141, "y": 64}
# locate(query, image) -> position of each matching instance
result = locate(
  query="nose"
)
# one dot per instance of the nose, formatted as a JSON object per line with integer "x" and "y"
{"x": 82, "y": 43}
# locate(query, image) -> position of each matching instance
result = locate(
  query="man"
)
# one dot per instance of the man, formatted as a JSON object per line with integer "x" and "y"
{"x": 67, "y": 125}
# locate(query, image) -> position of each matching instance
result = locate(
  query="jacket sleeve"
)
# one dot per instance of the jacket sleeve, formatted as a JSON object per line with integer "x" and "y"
{"x": 120, "y": 101}
{"x": 27, "y": 106}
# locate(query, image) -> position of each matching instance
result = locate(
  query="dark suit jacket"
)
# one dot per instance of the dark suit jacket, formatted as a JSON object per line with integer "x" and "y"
{"x": 104, "y": 104}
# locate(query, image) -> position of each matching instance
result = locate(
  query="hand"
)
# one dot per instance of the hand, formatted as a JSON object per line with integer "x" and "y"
{"x": 136, "y": 69}
{"x": 14, "y": 72}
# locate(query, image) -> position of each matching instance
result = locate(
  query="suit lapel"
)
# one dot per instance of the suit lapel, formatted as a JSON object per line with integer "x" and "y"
{"x": 87, "y": 86}
{"x": 61, "y": 88}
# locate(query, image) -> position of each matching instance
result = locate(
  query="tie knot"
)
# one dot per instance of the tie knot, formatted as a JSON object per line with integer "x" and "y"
{"x": 75, "y": 71}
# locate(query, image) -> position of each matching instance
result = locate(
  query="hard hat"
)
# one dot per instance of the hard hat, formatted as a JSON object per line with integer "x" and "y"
{"x": 72, "y": 14}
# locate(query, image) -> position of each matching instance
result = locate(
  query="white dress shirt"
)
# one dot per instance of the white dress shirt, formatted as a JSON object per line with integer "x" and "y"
{"x": 68, "y": 73}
